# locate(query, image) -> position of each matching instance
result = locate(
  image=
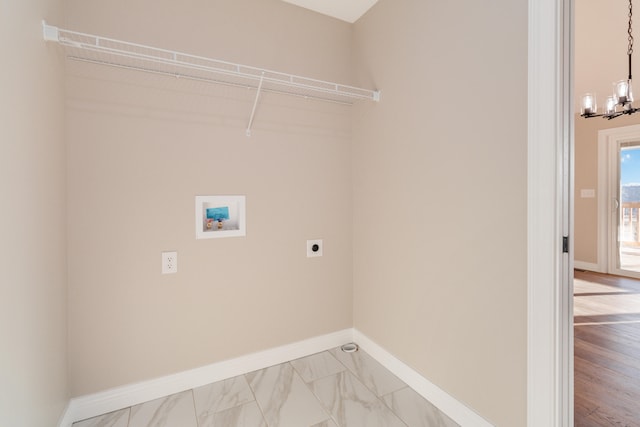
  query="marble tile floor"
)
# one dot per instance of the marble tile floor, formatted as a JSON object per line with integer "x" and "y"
{"x": 328, "y": 389}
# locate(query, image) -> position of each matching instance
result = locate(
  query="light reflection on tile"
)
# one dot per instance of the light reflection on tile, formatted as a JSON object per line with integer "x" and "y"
{"x": 372, "y": 374}
{"x": 112, "y": 419}
{"x": 317, "y": 366}
{"x": 247, "y": 415}
{"x": 351, "y": 404}
{"x": 284, "y": 399}
{"x": 176, "y": 410}
{"x": 415, "y": 410}
{"x": 219, "y": 396}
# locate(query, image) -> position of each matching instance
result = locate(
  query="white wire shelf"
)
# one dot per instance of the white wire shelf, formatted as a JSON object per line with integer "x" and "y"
{"x": 121, "y": 54}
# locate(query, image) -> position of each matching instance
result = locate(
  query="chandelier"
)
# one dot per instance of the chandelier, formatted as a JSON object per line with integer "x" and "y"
{"x": 620, "y": 102}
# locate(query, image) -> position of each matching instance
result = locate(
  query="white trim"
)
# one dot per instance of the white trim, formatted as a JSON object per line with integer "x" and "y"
{"x": 603, "y": 197}
{"x": 92, "y": 405}
{"x": 589, "y": 266}
{"x": 548, "y": 384}
{"x": 456, "y": 410}
{"x": 66, "y": 419}
{"x": 564, "y": 287}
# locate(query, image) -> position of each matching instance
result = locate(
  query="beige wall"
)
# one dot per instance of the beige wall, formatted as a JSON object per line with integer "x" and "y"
{"x": 586, "y": 177}
{"x": 141, "y": 147}
{"x": 33, "y": 364}
{"x": 440, "y": 195}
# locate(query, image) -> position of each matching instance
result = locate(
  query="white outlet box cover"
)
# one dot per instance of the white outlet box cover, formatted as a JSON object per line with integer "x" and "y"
{"x": 169, "y": 262}
{"x": 587, "y": 193}
{"x": 310, "y": 244}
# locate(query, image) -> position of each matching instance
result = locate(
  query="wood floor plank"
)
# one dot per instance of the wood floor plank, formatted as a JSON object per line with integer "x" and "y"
{"x": 606, "y": 350}
{"x": 601, "y": 356}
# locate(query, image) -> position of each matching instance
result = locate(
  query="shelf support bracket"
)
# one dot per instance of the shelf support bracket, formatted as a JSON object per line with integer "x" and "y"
{"x": 49, "y": 32}
{"x": 255, "y": 104}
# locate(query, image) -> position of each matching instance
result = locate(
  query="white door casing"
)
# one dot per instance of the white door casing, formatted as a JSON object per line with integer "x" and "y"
{"x": 550, "y": 335}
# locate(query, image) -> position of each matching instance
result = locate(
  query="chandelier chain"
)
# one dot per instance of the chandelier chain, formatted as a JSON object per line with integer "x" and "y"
{"x": 629, "y": 31}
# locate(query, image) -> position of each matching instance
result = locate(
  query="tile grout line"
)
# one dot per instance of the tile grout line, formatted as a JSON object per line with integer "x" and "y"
{"x": 327, "y": 411}
{"x": 357, "y": 378}
{"x": 195, "y": 411}
{"x": 390, "y": 408}
{"x": 324, "y": 376}
{"x": 255, "y": 399}
{"x": 355, "y": 374}
{"x": 295, "y": 372}
{"x": 306, "y": 384}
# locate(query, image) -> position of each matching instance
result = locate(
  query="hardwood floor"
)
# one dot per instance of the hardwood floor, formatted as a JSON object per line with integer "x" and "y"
{"x": 607, "y": 350}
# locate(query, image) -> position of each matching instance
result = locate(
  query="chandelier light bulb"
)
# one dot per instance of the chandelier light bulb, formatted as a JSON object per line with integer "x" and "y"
{"x": 589, "y": 105}
{"x": 610, "y": 105}
{"x": 622, "y": 92}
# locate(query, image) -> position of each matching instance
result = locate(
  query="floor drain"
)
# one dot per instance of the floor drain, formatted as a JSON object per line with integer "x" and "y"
{"x": 349, "y": 348}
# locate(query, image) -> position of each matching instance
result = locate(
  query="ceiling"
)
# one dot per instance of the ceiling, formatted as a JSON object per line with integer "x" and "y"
{"x": 346, "y": 10}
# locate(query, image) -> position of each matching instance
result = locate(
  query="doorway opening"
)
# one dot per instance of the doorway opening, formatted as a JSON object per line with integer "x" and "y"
{"x": 619, "y": 206}
{"x": 628, "y": 194}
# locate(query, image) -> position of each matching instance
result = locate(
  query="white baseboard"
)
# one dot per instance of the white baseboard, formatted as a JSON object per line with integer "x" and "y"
{"x": 83, "y": 407}
{"x": 589, "y": 266}
{"x": 454, "y": 409}
{"x": 66, "y": 419}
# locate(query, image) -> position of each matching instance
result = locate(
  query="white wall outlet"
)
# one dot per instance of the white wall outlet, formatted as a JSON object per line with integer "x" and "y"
{"x": 169, "y": 262}
{"x": 314, "y": 248}
{"x": 587, "y": 193}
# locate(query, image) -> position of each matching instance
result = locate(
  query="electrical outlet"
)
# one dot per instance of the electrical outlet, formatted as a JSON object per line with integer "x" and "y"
{"x": 314, "y": 248}
{"x": 169, "y": 262}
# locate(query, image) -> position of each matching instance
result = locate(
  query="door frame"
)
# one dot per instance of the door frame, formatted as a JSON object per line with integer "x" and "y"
{"x": 549, "y": 160}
